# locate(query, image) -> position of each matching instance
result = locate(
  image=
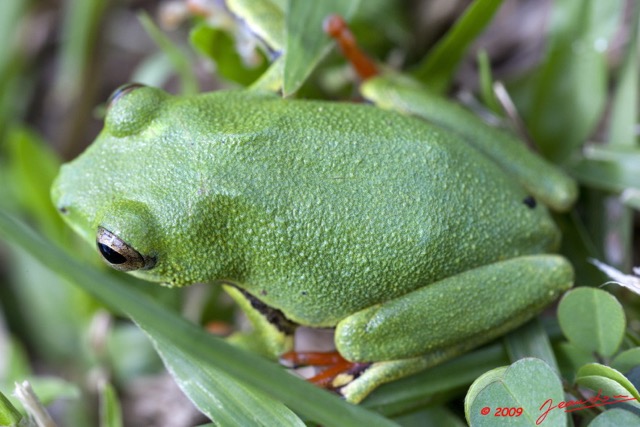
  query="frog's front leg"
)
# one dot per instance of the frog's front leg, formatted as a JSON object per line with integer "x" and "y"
{"x": 447, "y": 318}
{"x": 272, "y": 333}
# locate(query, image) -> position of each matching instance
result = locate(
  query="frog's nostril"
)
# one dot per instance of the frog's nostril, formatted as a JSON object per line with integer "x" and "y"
{"x": 63, "y": 209}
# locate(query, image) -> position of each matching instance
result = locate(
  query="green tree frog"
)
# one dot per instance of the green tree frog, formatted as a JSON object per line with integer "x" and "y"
{"x": 412, "y": 243}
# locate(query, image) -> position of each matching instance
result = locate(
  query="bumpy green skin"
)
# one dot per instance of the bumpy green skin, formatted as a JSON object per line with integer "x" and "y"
{"x": 317, "y": 209}
{"x": 333, "y": 213}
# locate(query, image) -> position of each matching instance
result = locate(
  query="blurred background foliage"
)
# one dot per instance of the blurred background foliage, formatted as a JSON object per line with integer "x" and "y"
{"x": 570, "y": 68}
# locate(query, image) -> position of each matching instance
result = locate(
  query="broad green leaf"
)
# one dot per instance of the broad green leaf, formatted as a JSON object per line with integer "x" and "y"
{"x": 140, "y": 357}
{"x": 181, "y": 63}
{"x": 438, "y": 68}
{"x": 615, "y": 418}
{"x": 244, "y": 406}
{"x": 529, "y": 384}
{"x": 626, "y": 360}
{"x": 592, "y": 319}
{"x": 612, "y": 383}
{"x": 307, "y": 43}
{"x": 202, "y": 348}
{"x": 530, "y": 340}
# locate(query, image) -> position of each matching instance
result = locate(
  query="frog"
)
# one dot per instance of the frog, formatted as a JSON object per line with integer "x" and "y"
{"x": 407, "y": 240}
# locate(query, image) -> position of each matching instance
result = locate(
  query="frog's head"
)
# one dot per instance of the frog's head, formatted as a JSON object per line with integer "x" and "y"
{"x": 129, "y": 193}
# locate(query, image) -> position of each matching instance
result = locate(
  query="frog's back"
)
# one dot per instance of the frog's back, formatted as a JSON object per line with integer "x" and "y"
{"x": 345, "y": 206}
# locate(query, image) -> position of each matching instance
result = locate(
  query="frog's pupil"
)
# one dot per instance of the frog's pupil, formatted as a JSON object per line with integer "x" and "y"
{"x": 530, "y": 201}
{"x": 110, "y": 255}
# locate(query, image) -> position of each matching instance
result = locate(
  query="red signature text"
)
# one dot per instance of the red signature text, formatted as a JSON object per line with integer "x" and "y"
{"x": 578, "y": 405}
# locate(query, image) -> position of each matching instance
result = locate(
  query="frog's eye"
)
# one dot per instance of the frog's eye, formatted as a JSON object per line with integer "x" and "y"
{"x": 122, "y": 91}
{"x": 119, "y": 254}
{"x": 132, "y": 108}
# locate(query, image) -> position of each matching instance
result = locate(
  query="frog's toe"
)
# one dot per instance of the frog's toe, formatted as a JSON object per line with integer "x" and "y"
{"x": 335, "y": 373}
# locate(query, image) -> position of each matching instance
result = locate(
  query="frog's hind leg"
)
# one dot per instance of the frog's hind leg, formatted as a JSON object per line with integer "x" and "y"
{"x": 444, "y": 319}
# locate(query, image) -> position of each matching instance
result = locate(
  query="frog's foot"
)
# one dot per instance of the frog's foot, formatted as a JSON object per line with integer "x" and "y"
{"x": 337, "y": 371}
{"x": 338, "y": 29}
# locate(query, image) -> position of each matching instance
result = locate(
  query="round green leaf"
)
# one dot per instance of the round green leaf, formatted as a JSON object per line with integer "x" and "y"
{"x": 592, "y": 319}
{"x": 615, "y": 418}
{"x": 610, "y": 382}
{"x": 528, "y": 384}
{"x": 626, "y": 360}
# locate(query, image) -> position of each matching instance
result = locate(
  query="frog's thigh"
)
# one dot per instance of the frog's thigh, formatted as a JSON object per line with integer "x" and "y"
{"x": 455, "y": 314}
{"x": 435, "y": 323}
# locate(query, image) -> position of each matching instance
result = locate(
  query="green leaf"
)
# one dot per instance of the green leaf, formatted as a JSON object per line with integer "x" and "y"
{"x": 612, "y": 168}
{"x": 243, "y": 405}
{"x": 592, "y": 319}
{"x": 32, "y": 168}
{"x": 80, "y": 32}
{"x": 608, "y": 382}
{"x": 626, "y": 360}
{"x": 530, "y": 340}
{"x": 527, "y": 384}
{"x": 615, "y": 417}
{"x": 202, "y": 348}
{"x": 9, "y": 415}
{"x": 14, "y": 364}
{"x": 110, "y": 411}
{"x": 220, "y": 48}
{"x": 438, "y": 68}
{"x": 624, "y": 106}
{"x": 270, "y": 80}
{"x": 307, "y": 43}
{"x": 486, "y": 83}
{"x": 562, "y": 104}
{"x": 433, "y": 416}
{"x": 597, "y": 370}
{"x": 265, "y": 18}
{"x": 481, "y": 383}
